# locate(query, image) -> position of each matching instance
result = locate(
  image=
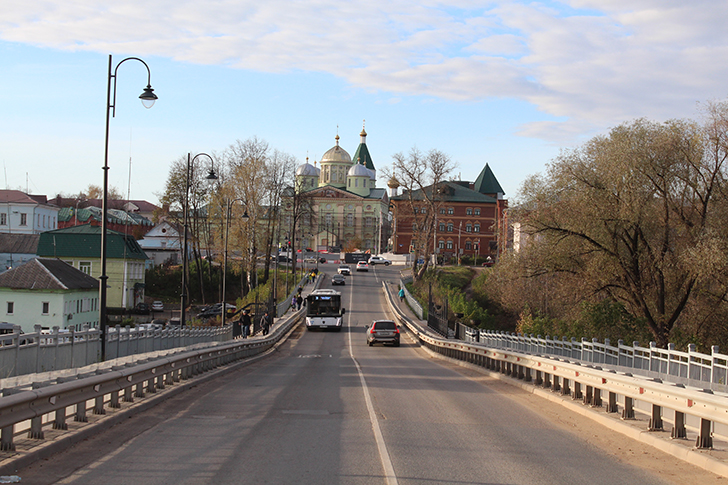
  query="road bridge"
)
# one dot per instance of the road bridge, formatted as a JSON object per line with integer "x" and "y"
{"x": 325, "y": 408}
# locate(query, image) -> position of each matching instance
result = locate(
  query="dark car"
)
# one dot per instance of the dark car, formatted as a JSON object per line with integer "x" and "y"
{"x": 141, "y": 308}
{"x": 322, "y": 260}
{"x": 338, "y": 279}
{"x": 383, "y": 331}
{"x": 216, "y": 310}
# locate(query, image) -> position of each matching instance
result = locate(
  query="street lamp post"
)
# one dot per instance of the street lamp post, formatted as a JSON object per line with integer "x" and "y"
{"x": 245, "y": 217}
{"x": 148, "y": 98}
{"x": 185, "y": 215}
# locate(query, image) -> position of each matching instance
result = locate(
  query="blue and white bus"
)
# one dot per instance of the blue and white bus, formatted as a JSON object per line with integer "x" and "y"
{"x": 323, "y": 310}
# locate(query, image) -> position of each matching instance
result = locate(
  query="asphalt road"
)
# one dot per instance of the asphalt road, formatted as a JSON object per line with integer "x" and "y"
{"x": 327, "y": 409}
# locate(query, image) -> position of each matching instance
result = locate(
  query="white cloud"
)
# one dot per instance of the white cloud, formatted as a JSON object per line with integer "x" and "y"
{"x": 593, "y": 62}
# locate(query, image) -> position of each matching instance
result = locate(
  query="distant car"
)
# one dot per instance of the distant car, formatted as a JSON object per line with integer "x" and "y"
{"x": 322, "y": 260}
{"x": 383, "y": 331}
{"x": 310, "y": 260}
{"x": 141, "y": 308}
{"x": 379, "y": 260}
{"x": 362, "y": 266}
{"x": 216, "y": 310}
{"x": 157, "y": 306}
{"x": 344, "y": 269}
{"x": 338, "y": 279}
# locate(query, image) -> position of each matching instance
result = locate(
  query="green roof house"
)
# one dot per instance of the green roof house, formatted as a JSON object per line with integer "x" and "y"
{"x": 80, "y": 246}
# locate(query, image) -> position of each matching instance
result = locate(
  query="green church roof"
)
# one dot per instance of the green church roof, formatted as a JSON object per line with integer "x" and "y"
{"x": 486, "y": 183}
{"x": 84, "y": 241}
{"x": 362, "y": 156}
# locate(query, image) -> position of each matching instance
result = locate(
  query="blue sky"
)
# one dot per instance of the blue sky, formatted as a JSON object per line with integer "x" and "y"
{"x": 509, "y": 83}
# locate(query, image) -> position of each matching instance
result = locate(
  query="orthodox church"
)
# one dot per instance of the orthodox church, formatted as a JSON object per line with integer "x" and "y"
{"x": 347, "y": 206}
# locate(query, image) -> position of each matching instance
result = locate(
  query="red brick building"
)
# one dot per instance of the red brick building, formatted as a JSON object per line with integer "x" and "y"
{"x": 469, "y": 218}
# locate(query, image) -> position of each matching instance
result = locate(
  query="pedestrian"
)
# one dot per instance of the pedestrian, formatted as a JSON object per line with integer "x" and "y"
{"x": 265, "y": 323}
{"x": 237, "y": 329}
{"x": 299, "y": 302}
{"x": 293, "y": 302}
{"x": 299, "y": 292}
{"x": 246, "y": 323}
{"x": 401, "y": 294}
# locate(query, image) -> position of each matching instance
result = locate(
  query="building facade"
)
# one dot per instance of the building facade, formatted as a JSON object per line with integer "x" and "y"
{"x": 49, "y": 293}
{"x": 469, "y": 219}
{"x": 21, "y": 213}
{"x": 347, "y": 210}
{"x": 80, "y": 247}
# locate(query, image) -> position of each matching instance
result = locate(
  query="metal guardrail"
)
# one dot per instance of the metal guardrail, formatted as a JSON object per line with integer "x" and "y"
{"x": 593, "y": 384}
{"x": 689, "y": 368}
{"x": 48, "y": 403}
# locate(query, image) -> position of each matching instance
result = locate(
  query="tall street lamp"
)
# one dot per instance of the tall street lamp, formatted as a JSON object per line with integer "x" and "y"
{"x": 245, "y": 218}
{"x": 210, "y": 176}
{"x": 148, "y": 98}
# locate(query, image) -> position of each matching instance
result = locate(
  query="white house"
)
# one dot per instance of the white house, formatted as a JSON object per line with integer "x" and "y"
{"x": 21, "y": 213}
{"x": 48, "y": 292}
{"x": 162, "y": 243}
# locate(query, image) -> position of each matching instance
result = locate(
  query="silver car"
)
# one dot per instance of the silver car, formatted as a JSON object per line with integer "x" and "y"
{"x": 383, "y": 331}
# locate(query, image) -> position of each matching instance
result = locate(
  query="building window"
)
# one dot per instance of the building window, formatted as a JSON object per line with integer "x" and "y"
{"x": 441, "y": 244}
{"x": 449, "y": 244}
{"x": 3, "y": 219}
{"x": 442, "y": 210}
{"x": 450, "y": 210}
{"x": 350, "y": 220}
{"x": 11, "y": 307}
{"x": 23, "y": 219}
{"x": 424, "y": 210}
{"x": 468, "y": 227}
{"x": 442, "y": 227}
{"x": 85, "y": 266}
{"x": 477, "y": 211}
{"x": 468, "y": 245}
{"x": 469, "y": 211}
{"x": 328, "y": 219}
{"x": 368, "y": 221}
{"x": 45, "y": 308}
{"x": 414, "y": 227}
{"x": 476, "y": 228}
{"x": 449, "y": 227}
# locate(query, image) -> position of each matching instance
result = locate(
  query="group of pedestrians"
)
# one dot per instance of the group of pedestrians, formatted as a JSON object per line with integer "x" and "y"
{"x": 297, "y": 300}
{"x": 242, "y": 327}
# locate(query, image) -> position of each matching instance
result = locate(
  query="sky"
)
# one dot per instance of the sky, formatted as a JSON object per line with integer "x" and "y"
{"x": 508, "y": 83}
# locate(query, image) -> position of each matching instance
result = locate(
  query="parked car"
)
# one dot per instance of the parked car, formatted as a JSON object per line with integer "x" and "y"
{"x": 379, "y": 260}
{"x": 157, "y": 306}
{"x": 322, "y": 260}
{"x": 344, "y": 269}
{"x": 362, "y": 266}
{"x": 141, "y": 308}
{"x": 383, "y": 331}
{"x": 216, "y": 310}
{"x": 338, "y": 279}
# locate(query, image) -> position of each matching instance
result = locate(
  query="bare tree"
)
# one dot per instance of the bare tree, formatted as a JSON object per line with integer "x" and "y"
{"x": 421, "y": 176}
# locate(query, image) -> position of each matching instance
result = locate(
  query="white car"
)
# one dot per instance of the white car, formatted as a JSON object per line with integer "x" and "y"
{"x": 157, "y": 306}
{"x": 362, "y": 266}
{"x": 379, "y": 260}
{"x": 344, "y": 269}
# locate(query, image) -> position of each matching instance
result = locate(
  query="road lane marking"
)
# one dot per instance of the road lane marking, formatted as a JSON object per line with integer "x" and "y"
{"x": 378, "y": 437}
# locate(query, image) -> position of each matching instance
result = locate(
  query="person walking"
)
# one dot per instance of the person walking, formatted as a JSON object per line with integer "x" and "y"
{"x": 401, "y": 294}
{"x": 265, "y": 323}
{"x": 246, "y": 323}
{"x": 237, "y": 329}
{"x": 299, "y": 302}
{"x": 293, "y": 302}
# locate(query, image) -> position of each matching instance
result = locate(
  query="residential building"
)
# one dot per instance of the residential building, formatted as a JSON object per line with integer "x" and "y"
{"x": 347, "y": 207}
{"x": 17, "y": 249}
{"x": 21, "y": 213}
{"x": 162, "y": 244}
{"x": 49, "y": 293}
{"x": 80, "y": 246}
{"x": 469, "y": 219}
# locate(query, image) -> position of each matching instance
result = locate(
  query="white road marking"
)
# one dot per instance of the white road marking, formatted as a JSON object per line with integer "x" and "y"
{"x": 378, "y": 437}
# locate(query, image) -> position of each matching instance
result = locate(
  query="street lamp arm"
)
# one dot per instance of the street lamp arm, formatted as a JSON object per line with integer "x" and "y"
{"x": 148, "y": 97}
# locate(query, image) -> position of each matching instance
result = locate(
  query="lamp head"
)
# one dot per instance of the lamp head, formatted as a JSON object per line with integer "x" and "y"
{"x": 212, "y": 175}
{"x": 148, "y": 97}
{"x": 245, "y": 216}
